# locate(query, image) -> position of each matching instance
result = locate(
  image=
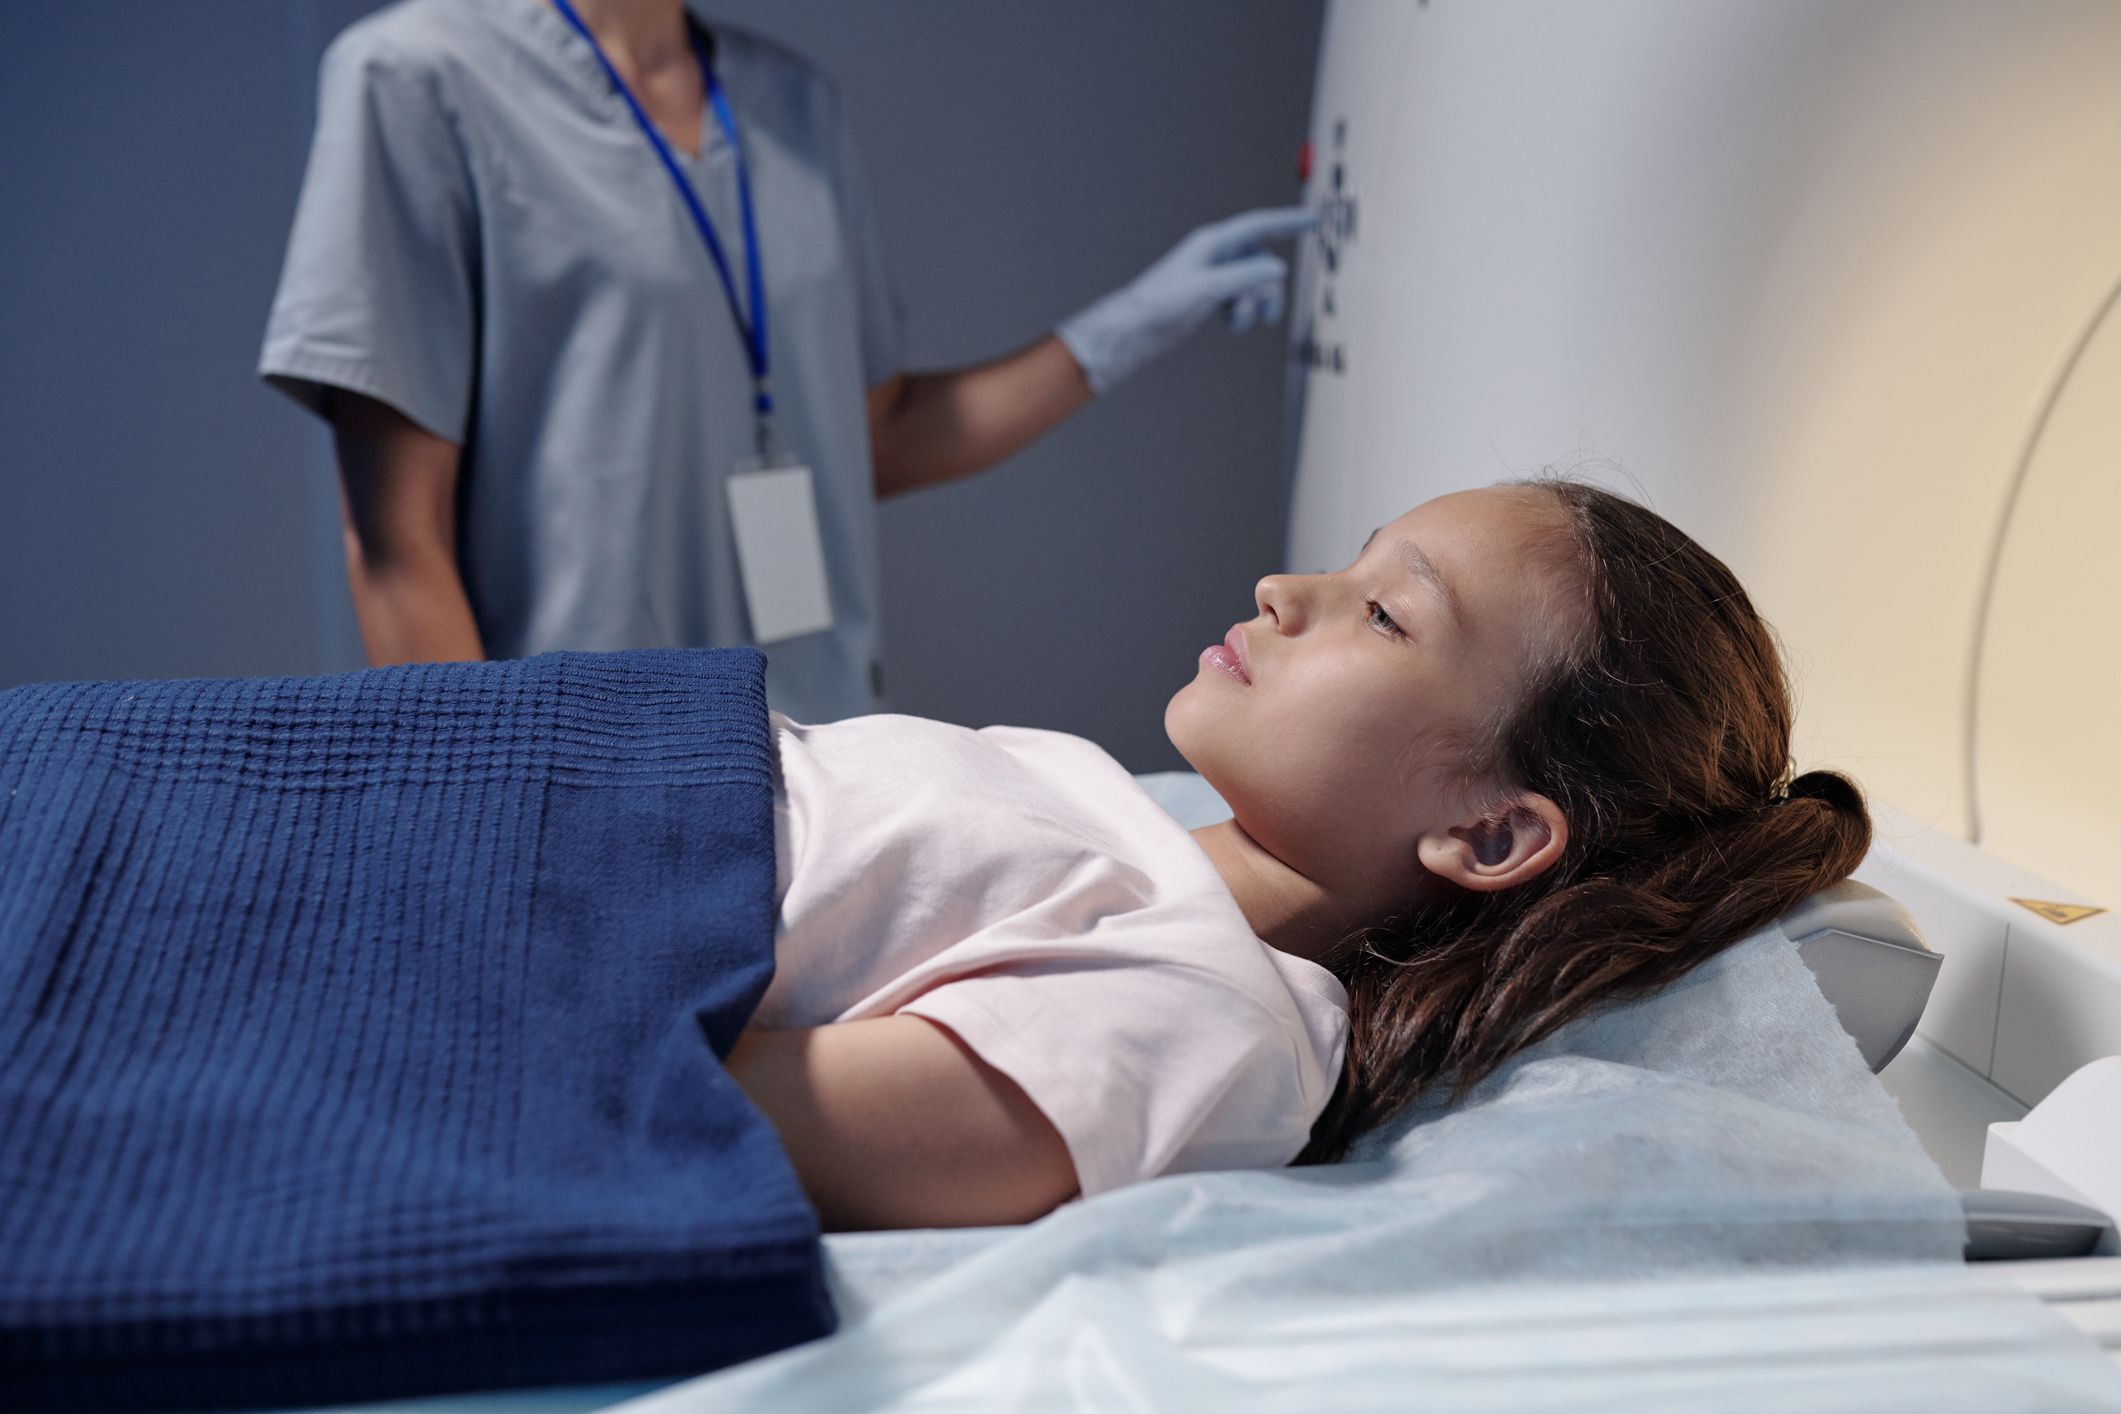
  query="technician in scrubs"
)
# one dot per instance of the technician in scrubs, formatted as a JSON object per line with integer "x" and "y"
{"x": 593, "y": 300}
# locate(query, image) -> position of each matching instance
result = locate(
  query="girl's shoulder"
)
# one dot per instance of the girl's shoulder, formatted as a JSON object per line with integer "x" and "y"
{"x": 1005, "y": 796}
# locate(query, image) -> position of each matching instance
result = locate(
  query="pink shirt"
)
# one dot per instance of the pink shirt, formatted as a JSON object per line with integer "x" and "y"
{"x": 1021, "y": 889}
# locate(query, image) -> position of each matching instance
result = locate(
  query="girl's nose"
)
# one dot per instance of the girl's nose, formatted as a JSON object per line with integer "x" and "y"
{"x": 1281, "y": 598}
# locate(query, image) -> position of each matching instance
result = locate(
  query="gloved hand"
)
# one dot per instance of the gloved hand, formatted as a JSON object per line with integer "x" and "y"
{"x": 1218, "y": 264}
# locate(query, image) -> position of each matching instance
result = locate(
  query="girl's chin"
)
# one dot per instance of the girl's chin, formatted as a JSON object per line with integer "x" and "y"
{"x": 1182, "y": 719}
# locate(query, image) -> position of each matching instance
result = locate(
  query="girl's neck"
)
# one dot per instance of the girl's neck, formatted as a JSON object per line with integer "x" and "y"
{"x": 1290, "y": 912}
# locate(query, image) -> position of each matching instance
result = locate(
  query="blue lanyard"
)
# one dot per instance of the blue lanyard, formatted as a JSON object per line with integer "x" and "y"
{"x": 753, "y": 329}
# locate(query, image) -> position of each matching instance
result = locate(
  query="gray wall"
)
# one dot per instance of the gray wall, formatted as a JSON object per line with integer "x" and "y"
{"x": 162, "y": 514}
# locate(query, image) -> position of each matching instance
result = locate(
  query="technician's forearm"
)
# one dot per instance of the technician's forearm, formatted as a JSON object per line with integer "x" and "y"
{"x": 398, "y": 489}
{"x": 931, "y": 427}
{"x": 412, "y": 609}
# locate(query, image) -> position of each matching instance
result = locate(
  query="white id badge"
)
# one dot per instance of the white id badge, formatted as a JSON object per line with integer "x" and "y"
{"x": 779, "y": 552}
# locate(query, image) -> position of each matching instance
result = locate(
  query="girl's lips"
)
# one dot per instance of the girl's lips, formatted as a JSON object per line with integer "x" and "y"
{"x": 1228, "y": 656}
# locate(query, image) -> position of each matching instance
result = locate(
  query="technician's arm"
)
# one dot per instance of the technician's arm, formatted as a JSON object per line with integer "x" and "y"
{"x": 894, "y": 1122}
{"x": 398, "y": 502}
{"x": 930, "y": 427}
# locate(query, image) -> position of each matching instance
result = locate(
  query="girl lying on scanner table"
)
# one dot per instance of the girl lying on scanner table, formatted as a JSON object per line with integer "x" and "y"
{"x": 1526, "y": 755}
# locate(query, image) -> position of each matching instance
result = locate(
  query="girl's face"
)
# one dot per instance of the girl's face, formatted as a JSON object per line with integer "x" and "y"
{"x": 1339, "y": 722}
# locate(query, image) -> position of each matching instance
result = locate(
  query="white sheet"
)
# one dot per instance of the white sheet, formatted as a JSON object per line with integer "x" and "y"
{"x": 1939, "y": 1339}
{"x": 1186, "y": 797}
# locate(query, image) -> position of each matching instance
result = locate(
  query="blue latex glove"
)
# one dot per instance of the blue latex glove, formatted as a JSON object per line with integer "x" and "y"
{"x": 1219, "y": 265}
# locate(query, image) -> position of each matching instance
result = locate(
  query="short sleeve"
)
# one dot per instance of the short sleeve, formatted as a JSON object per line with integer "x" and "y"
{"x": 1134, "y": 1096}
{"x": 378, "y": 293}
{"x": 883, "y": 322}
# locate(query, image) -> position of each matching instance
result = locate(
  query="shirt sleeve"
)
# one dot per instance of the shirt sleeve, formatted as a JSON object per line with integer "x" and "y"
{"x": 378, "y": 293}
{"x": 1236, "y": 1085}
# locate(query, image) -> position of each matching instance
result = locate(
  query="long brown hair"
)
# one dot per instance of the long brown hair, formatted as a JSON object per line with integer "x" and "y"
{"x": 1663, "y": 734}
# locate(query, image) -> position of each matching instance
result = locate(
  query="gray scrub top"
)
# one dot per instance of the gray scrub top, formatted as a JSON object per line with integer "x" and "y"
{"x": 487, "y": 242}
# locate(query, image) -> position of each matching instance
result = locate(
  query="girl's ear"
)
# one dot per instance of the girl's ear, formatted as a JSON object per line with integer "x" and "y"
{"x": 1517, "y": 840}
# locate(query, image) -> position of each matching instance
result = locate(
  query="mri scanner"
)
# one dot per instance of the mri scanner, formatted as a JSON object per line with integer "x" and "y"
{"x": 1833, "y": 286}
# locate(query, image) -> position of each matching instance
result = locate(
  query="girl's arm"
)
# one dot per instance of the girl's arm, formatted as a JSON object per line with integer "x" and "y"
{"x": 894, "y": 1122}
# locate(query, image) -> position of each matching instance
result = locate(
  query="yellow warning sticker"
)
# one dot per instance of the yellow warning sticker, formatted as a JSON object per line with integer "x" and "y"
{"x": 2063, "y": 913}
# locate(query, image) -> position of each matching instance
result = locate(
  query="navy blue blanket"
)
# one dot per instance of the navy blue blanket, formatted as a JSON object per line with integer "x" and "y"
{"x": 360, "y": 1036}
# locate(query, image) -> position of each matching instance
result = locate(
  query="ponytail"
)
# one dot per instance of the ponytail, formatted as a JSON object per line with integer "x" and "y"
{"x": 1663, "y": 736}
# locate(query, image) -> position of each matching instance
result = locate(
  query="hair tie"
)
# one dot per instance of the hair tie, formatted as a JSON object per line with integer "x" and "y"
{"x": 1779, "y": 793}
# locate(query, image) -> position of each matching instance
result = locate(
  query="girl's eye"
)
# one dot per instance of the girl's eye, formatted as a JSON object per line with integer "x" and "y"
{"x": 1379, "y": 619}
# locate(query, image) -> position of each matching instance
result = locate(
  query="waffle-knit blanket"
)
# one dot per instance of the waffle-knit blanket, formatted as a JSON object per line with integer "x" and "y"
{"x": 360, "y": 1035}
